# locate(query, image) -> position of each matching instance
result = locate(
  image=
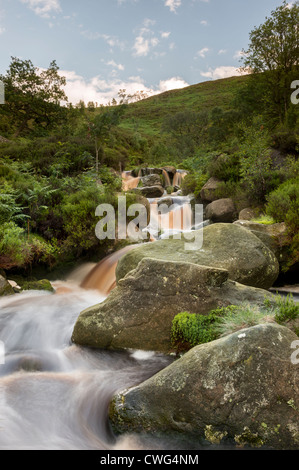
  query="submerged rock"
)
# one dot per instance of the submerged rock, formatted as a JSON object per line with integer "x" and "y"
{"x": 242, "y": 389}
{"x": 42, "y": 284}
{"x": 225, "y": 246}
{"x": 138, "y": 313}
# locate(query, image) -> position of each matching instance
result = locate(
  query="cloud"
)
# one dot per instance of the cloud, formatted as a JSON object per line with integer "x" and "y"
{"x": 173, "y": 4}
{"x": 202, "y": 53}
{"x": 173, "y": 83}
{"x": 115, "y": 65}
{"x": 43, "y": 8}
{"x": 103, "y": 91}
{"x": 146, "y": 40}
{"x": 221, "y": 72}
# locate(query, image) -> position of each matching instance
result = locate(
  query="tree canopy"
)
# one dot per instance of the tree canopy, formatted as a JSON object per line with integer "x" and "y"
{"x": 274, "y": 51}
{"x": 32, "y": 96}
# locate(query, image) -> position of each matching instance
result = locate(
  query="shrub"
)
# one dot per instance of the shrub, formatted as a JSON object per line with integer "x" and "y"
{"x": 281, "y": 202}
{"x": 225, "y": 167}
{"x": 284, "y": 308}
{"x": 193, "y": 183}
{"x": 283, "y": 206}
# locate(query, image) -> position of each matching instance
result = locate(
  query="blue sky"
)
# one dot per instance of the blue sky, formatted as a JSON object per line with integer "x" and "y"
{"x": 102, "y": 46}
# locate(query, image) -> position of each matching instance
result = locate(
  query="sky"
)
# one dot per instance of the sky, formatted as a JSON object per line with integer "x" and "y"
{"x": 102, "y": 46}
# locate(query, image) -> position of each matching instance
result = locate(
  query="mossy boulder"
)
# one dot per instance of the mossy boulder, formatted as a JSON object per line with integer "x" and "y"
{"x": 226, "y": 246}
{"x": 42, "y": 284}
{"x": 5, "y": 287}
{"x": 138, "y": 313}
{"x": 241, "y": 389}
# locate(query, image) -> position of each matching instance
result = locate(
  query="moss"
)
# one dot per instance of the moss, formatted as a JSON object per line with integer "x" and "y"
{"x": 249, "y": 438}
{"x": 213, "y": 436}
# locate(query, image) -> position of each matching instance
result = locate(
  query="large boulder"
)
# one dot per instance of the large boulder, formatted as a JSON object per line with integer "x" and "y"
{"x": 151, "y": 180}
{"x": 241, "y": 389}
{"x": 5, "y": 287}
{"x": 271, "y": 235}
{"x": 152, "y": 191}
{"x": 225, "y": 246}
{"x": 208, "y": 191}
{"x": 222, "y": 210}
{"x": 248, "y": 213}
{"x": 138, "y": 313}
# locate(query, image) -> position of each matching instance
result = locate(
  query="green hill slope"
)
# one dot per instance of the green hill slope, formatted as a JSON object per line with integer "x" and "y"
{"x": 148, "y": 114}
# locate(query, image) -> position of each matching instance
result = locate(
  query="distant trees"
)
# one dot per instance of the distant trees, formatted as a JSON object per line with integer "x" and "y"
{"x": 273, "y": 58}
{"x": 187, "y": 128}
{"x": 32, "y": 96}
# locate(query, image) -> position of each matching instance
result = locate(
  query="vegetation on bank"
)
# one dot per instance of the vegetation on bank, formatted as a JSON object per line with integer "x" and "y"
{"x": 190, "y": 330}
{"x": 58, "y": 163}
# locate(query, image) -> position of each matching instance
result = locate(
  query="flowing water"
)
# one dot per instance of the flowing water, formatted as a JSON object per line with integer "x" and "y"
{"x": 54, "y": 394}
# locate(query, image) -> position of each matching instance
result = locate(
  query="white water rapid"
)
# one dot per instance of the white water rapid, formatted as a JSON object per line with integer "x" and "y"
{"x": 55, "y": 395}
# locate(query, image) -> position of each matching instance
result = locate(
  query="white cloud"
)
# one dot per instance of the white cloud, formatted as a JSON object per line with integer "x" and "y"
{"x": 43, "y": 8}
{"x": 103, "y": 91}
{"x": 2, "y": 30}
{"x": 204, "y": 22}
{"x": 115, "y": 65}
{"x": 173, "y": 83}
{"x": 146, "y": 40}
{"x": 222, "y": 51}
{"x": 202, "y": 53}
{"x": 165, "y": 34}
{"x": 221, "y": 72}
{"x": 173, "y": 4}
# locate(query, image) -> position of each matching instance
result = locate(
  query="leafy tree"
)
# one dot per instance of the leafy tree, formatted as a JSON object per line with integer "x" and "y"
{"x": 100, "y": 125}
{"x": 33, "y": 96}
{"x": 274, "y": 52}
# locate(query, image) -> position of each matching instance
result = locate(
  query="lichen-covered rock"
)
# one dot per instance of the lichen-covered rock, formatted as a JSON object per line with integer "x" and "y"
{"x": 5, "y": 287}
{"x": 138, "y": 313}
{"x": 222, "y": 211}
{"x": 225, "y": 246}
{"x": 241, "y": 389}
{"x": 152, "y": 191}
{"x": 271, "y": 235}
{"x": 151, "y": 180}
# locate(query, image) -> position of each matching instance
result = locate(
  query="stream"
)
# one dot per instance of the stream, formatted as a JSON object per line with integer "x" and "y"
{"x": 55, "y": 395}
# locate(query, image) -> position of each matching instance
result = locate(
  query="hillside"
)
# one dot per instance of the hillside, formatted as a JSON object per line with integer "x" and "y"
{"x": 205, "y": 96}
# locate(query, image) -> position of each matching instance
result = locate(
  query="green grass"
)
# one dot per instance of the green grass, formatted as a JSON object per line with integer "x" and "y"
{"x": 149, "y": 114}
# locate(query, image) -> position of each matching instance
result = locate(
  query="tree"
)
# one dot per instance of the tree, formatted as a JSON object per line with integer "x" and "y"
{"x": 33, "y": 96}
{"x": 274, "y": 52}
{"x": 100, "y": 125}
